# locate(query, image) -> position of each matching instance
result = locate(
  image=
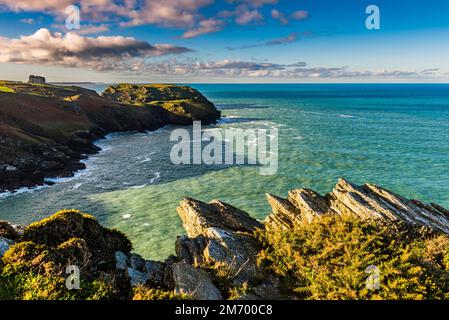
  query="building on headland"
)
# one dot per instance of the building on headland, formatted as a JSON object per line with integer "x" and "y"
{"x": 36, "y": 79}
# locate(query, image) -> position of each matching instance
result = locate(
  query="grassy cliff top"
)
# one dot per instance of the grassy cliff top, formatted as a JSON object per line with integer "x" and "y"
{"x": 142, "y": 94}
{"x": 45, "y": 90}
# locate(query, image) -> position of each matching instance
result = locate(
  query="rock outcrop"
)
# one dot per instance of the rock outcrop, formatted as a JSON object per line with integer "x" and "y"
{"x": 366, "y": 202}
{"x": 46, "y": 130}
{"x": 219, "y": 252}
{"x": 219, "y": 233}
{"x": 184, "y": 104}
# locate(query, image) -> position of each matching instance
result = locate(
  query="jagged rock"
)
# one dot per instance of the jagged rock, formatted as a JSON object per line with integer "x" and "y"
{"x": 215, "y": 232}
{"x": 137, "y": 277}
{"x": 198, "y": 216}
{"x": 309, "y": 202}
{"x": 121, "y": 261}
{"x": 366, "y": 202}
{"x": 8, "y": 230}
{"x": 155, "y": 271}
{"x": 194, "y": 282}
{"x": 235, "y": 218}
{"x": 189, "y": 250}
{"x": 136, "y": 262}
{"x": 285, "y": 215}
{"x": 269, "y": 289}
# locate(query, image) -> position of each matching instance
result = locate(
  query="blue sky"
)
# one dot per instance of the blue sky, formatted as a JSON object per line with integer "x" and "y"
{"x": 226, "y": 41}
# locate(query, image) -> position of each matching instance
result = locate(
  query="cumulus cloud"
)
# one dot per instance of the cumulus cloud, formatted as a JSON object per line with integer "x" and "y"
{"x": 299, "y": 15}
{"x": 233, "y": 69}
{"x": 74, "y": 50}
{"x": 204, "y": 27}
{"x": 277, "y": 15}
{"x": 285, "y": 19}
{"x": 183, "y": 14}
{"x": 174, "y": 13}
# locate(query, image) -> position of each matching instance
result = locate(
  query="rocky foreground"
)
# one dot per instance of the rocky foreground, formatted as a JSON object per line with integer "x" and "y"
{"x": 310, "y": 247}
{"x": 45, "y": 130}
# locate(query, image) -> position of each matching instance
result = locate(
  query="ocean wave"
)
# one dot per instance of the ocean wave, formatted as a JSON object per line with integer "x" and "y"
{"x": 241, "y": 106}
{"x": 157, "y": 176}
{"x": 138, "y": 187}
{"x": 7, "y": 194}
{"x": 346, "y": 116}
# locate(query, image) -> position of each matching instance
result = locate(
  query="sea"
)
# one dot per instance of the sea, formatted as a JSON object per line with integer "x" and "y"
{"x": 393, "y": 135}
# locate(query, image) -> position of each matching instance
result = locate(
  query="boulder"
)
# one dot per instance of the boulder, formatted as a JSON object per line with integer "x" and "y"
{"x": 137, "y": 277}
{"x": 155, "y": 271}
{"x": 194, "y": 282}
{"x": 136, "y": 262}
{"x": 218, "y": 233}
{"x": 121, "y": 261}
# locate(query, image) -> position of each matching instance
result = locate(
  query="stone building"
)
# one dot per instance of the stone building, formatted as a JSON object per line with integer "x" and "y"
{"x": 36, "y": 79}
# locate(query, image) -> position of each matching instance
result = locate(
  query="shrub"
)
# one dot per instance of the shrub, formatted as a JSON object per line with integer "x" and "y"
{"x": 327, "y": 259}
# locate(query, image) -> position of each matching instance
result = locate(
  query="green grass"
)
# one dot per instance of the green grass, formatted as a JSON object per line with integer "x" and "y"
{"x": 6, "y": 89}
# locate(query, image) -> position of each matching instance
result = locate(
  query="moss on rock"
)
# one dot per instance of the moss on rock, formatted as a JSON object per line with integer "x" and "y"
{"x": 69, "y": 224}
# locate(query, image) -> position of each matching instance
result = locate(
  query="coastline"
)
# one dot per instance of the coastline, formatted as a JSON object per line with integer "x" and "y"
{"x": 226, "y": 254}
{"x": 82, "y": 117}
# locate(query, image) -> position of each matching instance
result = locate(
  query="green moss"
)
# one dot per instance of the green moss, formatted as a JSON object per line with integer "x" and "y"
{"x": 327, "y": 259}
{"x": 68, "y": 224}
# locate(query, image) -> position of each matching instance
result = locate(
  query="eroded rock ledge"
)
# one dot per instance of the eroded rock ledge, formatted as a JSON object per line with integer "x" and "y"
{"x": 219, "y": 245}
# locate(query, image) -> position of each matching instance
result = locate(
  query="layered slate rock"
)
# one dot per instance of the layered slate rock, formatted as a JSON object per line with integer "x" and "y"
{"x": 194, "y": 282}
{"x": 219, "y": 233}
{"x": 366, "y": 202}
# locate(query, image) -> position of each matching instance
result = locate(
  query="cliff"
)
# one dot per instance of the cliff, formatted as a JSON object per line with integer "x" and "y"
{"x": 182, "y": 102}
{"x": 310, "y": 247}
{"x": 45, "y": 130}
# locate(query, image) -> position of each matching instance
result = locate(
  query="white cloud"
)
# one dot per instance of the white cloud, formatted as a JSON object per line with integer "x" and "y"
{"x": 204, "y": 27}
{"x": 74, "y": 50}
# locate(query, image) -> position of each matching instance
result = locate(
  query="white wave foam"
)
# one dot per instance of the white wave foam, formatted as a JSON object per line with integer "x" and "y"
{"x": 346, "y": 116}
{"x": 157, "y": 175}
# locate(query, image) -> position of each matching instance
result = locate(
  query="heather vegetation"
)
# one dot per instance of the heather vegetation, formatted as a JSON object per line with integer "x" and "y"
{"x": 328, "y": 259}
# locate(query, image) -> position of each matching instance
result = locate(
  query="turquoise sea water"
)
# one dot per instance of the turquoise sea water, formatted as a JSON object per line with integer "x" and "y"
{"x": 393, "y": 135}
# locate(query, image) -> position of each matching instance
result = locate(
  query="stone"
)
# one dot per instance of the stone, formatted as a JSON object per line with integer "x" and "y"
{"x": 194, "y": 282}
{"x": 121, "y": 261}
{"x": 136, "y": 262}
{"x": 4, "y": 245}
{"x": 137, "y": 277}
{"x": 155, "y": 271}
{"x": 213, "y": 238}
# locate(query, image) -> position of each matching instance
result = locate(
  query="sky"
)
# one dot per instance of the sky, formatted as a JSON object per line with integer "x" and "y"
{"x": 259, "y": 41}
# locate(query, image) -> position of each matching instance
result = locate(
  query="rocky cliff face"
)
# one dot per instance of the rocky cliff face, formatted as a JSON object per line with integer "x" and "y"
{"x": 219, "y": 253}
{"x": 365, "y": 202}
{"x": 46, "y": 130}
